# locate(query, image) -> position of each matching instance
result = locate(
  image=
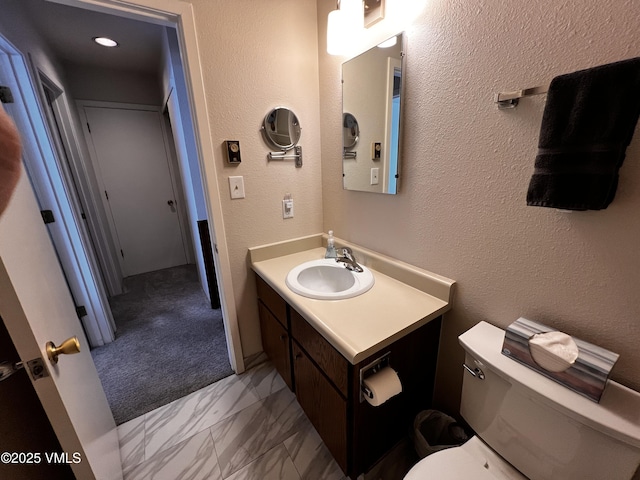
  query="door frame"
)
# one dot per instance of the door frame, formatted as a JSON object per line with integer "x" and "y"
{"x": 77, "y": 174}
{"x": 394, "y": 65}
{"x": 65, "y": 144}
{"x": 180, "y": 15}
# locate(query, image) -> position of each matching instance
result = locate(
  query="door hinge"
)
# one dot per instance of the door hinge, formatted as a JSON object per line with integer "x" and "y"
{"x": 81, "y": 311}
{"x": 84, "y": 217}
{"x": 47, "y": 216}
{"x": 122, "y": 253}
{"x": 89, "y": 127}
{"x": 5, "y": 95}
{"x": 106, "y": 194}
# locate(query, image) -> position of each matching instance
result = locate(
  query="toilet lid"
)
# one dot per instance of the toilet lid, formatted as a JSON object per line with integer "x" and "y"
{"x": 451, "y": 464}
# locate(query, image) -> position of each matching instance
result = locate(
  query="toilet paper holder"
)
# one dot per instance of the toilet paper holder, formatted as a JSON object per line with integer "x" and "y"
{"x": 371, "y": 369}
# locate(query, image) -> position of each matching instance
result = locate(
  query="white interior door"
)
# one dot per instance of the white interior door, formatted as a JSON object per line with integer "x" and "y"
{"x": 129, "y": 150}
{"x": 47, "y": 175}
{"x": 36, "y": 307}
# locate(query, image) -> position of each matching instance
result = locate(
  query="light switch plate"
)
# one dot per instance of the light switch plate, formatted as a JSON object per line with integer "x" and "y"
{"x": 236, "y": 187}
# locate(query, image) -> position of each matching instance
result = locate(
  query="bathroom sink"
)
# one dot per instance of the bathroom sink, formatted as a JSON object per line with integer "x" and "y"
{"x": 327, "y": 279}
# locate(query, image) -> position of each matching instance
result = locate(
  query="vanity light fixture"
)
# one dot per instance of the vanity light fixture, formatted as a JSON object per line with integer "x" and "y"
{"x": 343, "y": 24}
{"x": 105, "y": 41}
{"x": 374, "y": 11}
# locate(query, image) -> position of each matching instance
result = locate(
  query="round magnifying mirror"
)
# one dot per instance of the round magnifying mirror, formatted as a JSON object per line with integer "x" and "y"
{"x": 281, "y": 128}
{"x": 350, "y": 130}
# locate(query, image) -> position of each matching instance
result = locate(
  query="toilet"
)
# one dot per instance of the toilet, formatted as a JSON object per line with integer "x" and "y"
{"x": 530, "y": 427}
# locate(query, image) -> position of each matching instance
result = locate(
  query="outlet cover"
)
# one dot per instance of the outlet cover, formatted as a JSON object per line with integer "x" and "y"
{"x": 374, "y": 176}
{"x": 287, "y": 208}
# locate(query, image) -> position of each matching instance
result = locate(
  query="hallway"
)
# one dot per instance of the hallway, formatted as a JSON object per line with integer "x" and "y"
{"x": 169, "y": 343}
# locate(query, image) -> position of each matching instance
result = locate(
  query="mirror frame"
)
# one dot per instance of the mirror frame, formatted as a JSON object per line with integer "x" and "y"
{"x": 293, "y": 124}
{"x": 362, "y": 154}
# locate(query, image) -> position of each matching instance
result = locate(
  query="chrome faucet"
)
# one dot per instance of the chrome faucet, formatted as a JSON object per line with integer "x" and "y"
{"x": 345, "y": 255}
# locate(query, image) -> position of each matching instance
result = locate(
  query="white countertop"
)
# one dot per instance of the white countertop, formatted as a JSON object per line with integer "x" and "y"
{"x": 403, "y": 298}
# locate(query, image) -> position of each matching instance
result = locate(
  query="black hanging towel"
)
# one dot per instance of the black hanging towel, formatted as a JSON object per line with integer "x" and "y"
{"x": 588, "y": 122}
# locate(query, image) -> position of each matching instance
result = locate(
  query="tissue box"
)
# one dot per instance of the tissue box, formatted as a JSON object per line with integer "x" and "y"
{"x": 587, "y": 376}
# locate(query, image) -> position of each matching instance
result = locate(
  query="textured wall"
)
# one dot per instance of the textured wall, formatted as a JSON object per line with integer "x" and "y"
{"x": 257, "y": 56}
{"x": 466, "y": 167}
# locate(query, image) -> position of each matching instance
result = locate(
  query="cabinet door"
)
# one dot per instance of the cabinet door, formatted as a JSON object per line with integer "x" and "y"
{"x": 328, "y": 359}
{"x": 272, "y": 300}
{"x": 322, "y": 403}
{"x": 276, "y": 344}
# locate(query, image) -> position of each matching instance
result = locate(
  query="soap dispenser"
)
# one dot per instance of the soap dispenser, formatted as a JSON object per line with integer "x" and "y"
{"x": 331, "y": 248}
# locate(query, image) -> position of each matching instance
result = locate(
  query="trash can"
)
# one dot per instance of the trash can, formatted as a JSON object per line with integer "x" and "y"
{"x": 434, "y": 431}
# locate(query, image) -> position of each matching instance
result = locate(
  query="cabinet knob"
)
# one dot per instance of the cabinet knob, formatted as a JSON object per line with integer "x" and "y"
{"x": 297, "y": 356}
{"x": 283, "y": 336}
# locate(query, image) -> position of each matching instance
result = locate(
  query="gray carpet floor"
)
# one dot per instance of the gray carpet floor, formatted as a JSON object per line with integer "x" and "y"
{"x": 169, "y": 343}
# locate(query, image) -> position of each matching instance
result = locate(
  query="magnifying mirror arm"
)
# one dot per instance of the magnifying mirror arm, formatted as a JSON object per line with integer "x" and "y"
{"x": 283, "y": 155}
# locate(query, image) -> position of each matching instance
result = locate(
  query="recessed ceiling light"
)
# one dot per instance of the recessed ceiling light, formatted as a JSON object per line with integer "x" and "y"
{"x": 105, "y": 41}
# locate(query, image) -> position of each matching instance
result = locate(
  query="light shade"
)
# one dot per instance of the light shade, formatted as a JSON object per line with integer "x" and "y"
{"x": 343, "y": 26}
{"x": 336, "y": 28}
{"x": 354, "y": 11}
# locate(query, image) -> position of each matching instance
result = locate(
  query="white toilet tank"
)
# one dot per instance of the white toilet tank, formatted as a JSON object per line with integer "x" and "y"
{"x": 542, "y": 428}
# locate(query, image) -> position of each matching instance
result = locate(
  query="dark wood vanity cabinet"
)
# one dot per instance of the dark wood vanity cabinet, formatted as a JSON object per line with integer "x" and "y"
{"x": 276, "y": 344}
{"x": 324, "y": 406}
{"x": 274, "y": 325}
{"x": 327, "y": 386}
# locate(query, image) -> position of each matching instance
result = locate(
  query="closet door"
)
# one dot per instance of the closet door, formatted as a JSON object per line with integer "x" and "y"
{"x": 132, "y": 168}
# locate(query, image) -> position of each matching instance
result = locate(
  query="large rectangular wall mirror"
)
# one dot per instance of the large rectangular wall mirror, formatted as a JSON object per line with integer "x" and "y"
{"x": 371, "y": 113}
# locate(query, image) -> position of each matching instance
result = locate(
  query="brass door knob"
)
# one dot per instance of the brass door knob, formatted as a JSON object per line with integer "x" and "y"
{"x": 68, "y": 347}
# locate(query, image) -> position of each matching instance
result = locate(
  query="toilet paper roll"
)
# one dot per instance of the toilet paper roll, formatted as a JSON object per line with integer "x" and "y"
{"x": 382, "y": 386}
{"x": 553, "y": 351}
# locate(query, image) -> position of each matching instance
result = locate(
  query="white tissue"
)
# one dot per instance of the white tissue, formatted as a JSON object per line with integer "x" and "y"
{"x": 383, "y": 385}
{"x": 553, "y": 351}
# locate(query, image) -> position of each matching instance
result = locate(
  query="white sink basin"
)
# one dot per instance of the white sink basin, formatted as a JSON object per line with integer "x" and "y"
{"x": 327, "y": 279}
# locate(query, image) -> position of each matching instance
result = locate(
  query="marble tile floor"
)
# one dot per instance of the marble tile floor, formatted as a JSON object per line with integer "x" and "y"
{"x": 243, "y": 427}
